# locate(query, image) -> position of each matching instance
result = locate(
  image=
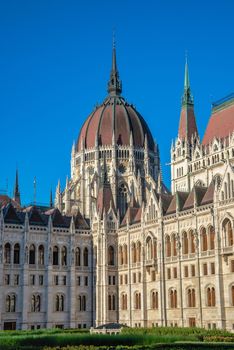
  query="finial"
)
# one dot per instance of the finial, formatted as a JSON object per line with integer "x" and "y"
{"x": 16, "y": 188}
{"x": 114, "y": 84}
{"x": 187, "y": 96}
{"x": 51, "y": 198}
{"x": 34, "y": 190}
{"x": 113, "y": 39}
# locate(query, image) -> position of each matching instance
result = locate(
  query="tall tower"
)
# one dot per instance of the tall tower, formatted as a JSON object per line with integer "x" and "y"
{"x": 185, "y": 141}
{"x": 16, "y": 195}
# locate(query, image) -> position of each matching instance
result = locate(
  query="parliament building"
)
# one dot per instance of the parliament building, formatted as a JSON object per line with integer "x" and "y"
{"x": 117, "y": 246}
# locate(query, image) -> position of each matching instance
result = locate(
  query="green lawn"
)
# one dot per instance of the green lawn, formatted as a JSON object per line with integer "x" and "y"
{"x": 130, "y": 339}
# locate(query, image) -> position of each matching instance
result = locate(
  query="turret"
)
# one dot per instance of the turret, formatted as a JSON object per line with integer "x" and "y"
{"x": 16, "y": 195}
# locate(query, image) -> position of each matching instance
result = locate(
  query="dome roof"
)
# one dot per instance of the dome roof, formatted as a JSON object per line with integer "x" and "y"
{"x": 116, "y": 116}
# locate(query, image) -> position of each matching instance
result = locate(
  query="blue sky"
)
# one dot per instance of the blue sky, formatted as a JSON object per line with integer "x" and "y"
{"x": 55, "y": 59}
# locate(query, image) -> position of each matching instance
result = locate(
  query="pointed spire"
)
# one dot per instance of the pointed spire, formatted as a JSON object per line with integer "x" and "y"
{"x": 114, "y": 84}
{"x": 16, "y": 188}
{"x": 51, "y": 198}
{"x": 187, "y": 96}
{"x": 187, "y": 125}
{"x": 104, "y": 172}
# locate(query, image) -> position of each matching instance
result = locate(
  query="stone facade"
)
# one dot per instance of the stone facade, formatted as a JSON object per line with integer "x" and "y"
{"x": 119, "y": 247}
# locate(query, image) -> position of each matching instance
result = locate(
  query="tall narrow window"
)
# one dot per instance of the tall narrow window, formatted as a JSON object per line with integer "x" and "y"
{"x": 185, "y": 243}
{"x": 32, "y": 254}
{"x": 122, "y": 200}
{"x": 86, "y": 256}
{"x": 41, "y": 255}
{"x": 64, "y": 256}
{"x": 77, "y": 256}
{"x": 55, "y": 255}
{"x": 111, "y": 256}
{"x": 168, "y": 246}
{"x": 16, "y": 253}
{"x": 212, "y": 238}
{"x": 204, "y": 246}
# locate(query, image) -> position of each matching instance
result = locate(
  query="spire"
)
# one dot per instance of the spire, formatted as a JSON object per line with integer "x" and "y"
{"x": 16, "y": 188}
{"x": 187, "y": 96}
{"x": 51, "y": 199}
{"x": 114, "y": 84}
{"x": 104, "y": 172}
{"x": 187, "y": 125}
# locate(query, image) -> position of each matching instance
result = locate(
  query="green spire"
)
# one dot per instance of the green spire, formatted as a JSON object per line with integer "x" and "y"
{"x": 187, "y": 96}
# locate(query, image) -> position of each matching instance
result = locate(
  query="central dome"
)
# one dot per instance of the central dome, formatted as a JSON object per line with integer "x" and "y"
{"x": 114, "y": 117}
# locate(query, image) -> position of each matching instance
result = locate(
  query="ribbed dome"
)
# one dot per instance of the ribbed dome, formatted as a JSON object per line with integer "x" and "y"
{"x": 114, "y": 114}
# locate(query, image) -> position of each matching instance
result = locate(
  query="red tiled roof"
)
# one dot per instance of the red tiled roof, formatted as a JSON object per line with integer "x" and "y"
{"x": 221, "y": 123}
{"x": 114, "y": 114}
{"x": 187, "y": 125}
{"x": 105, "y": 199}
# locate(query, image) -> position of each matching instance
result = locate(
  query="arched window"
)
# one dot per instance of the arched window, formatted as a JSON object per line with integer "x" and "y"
{"x": 86, "y": 256}
{"x": 227, "y": 226}
{"x": 41, "y": 255}
{"x": 137, "y": 301}
{"x": 133, "y": 253}
{"x": 61, "y": 303}
{"x": 120, "y": 255}
{"x": 16, "y": 253}
{"x": 77, "y": 256}
{"x": 82, "y": 302}
{"x": 173, "y": 298}
{"x": 210, "y": 296}
{"x": 149, "y": 248}
{"x": 138, "y": 252}
{"x": 204, "y": 241}
{"x": 38, "y": 303}
{"x": 7, "y": 253}
{"x": 111, "y": 256}
{"x": 211, "y": 238}
{"x": 155, "y": 249}
{"x": 57, "y": 303}
{"x": 232, "y": 295}
{"x": 173, "y": 245}
{"x": 64, "y": 256}
{"x": 10, "y": 303}
{"x": 192, "y": 245}
{"x": 32, "y": 255}
{"x": 185, "y": 243}
{"x": 55, "y": 256}
{"x": 168, "y": 246}
{"x": 124, "y": 301}
{"x": 154, "y": 300}
{"x": 122, "y": 200}
{"x": 191, "y": 297}
{"x": 111, "y": 302}
{"x": 125, "y": 254}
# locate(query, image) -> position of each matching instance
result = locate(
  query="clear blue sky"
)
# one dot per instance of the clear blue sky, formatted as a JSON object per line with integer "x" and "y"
{"x": 55, "y": 59}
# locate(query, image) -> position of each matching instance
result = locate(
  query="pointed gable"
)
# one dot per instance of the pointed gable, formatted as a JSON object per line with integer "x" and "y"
{"x": 209, "y": 195}
{"x": 80, "y": 222}
{"x": 35, "y": 217}
{"x": 105, "y": 199}
{"x": 57, "y": 219}
{"x": 133, "y": 216}
{"x": 10, "y": 215}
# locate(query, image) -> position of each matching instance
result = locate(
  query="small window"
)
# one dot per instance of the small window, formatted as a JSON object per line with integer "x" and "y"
{"x": 205, "y": 272}
{"x": 185, "y": 271}
{"x": 168, "y": 274}
{"x": 212, "y": 268}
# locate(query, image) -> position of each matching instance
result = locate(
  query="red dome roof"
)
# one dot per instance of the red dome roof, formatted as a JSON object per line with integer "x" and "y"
{"x": 114, "y": 114}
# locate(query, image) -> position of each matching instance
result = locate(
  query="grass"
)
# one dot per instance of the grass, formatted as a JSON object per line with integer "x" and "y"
{"x": 131, "y": 338}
